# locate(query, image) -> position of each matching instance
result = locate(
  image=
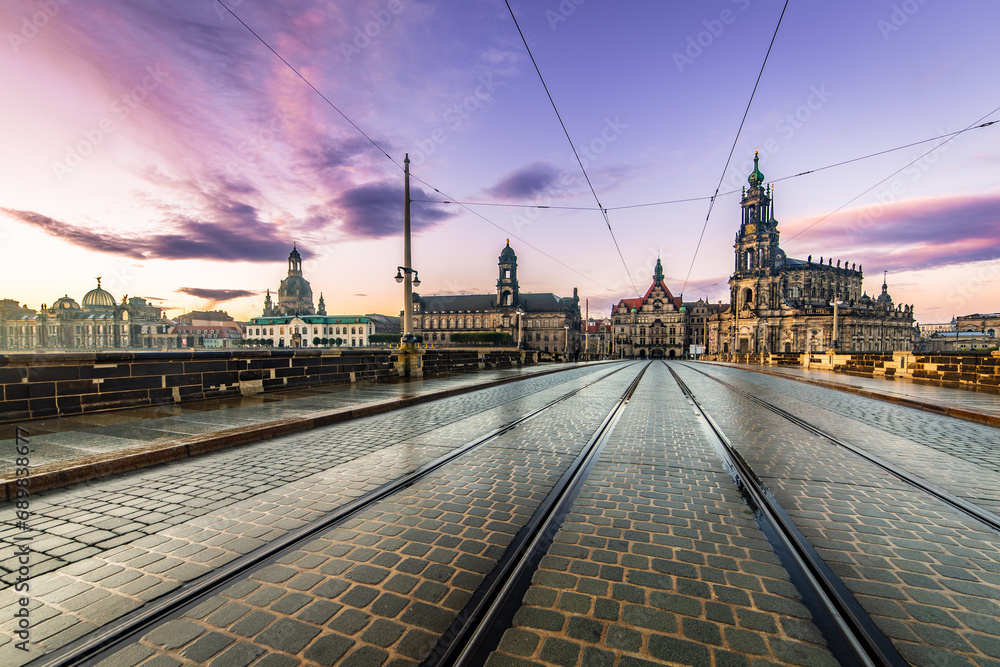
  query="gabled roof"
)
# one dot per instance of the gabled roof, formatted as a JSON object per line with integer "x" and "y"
{"x": 637, "y": 303}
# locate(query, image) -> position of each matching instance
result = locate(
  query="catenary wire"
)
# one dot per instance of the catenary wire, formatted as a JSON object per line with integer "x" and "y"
{"x": 711, "y": 203}
{"x": 391, "y": 159}
{"x": 971, "y": 126}
{"x": 709, "y": 197}
{"x": 604, "y": 211}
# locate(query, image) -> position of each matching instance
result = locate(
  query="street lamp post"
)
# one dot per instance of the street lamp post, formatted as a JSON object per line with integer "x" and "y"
{"x": 403, "y": 272}
{"x": 566, "y": 344}
{"x": 833, "y": 342}
{"x": 520, "y": 314}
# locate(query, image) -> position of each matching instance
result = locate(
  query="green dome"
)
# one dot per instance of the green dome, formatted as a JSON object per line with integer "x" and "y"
{"x": 756, "y": 177}
{"x": 634, "y": 310}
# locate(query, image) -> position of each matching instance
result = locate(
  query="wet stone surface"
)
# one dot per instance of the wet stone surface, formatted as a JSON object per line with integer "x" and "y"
{"x": 929, "y": 577}
{"x": 105, "y": 549}
{"x": 661, "y": 560}
{"x": 383, "y": 587}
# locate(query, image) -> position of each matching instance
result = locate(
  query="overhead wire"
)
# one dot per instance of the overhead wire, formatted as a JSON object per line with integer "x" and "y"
{"x": 722, "y": 178}
{"x": 951, "y": 137}
{"x": 386, "y": 154}
{"x": 604, "y": 211}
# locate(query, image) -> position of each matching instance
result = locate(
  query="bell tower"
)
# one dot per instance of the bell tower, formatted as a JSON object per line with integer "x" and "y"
{"x": 756, "y": 244}
{"x": 507, "y": 290}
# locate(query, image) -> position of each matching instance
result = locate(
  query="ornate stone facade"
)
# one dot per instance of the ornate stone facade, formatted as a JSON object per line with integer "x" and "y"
{"x": 653, "y": 326}
{"x": 780, "y": 304}
{"x": 539, "y": 321}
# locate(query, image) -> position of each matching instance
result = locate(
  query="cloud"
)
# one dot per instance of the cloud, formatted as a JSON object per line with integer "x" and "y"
{"x": 236, "y": 234}
{"x": 375, "y": 210}
{"x": 526, "y": 182}
{"x": 910, "y": 235}
{"x": 216, "y": 295}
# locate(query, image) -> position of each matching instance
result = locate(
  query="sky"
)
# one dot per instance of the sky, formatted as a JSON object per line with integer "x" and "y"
{"x": 165, "y": 148}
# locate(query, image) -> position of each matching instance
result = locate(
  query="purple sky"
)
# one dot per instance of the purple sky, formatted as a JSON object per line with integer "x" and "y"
{"x": 163, "y": 147}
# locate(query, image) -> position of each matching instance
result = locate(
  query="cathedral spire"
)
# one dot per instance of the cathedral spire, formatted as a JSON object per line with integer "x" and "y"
{"x": 658, "y": 272}
{"x": 756, "y": 177}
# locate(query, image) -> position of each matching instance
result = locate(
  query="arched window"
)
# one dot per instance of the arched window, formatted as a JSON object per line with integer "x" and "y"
{"x": 748, "y": 297}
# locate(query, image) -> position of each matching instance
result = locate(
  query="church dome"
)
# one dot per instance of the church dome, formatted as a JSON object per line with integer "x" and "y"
{"x": 296, "y": 288}
{"x": 65, "y": 303}
{"x": 98, "y": 298}
{"x": 507, "y": 252}
{"x": 756, "y": 177}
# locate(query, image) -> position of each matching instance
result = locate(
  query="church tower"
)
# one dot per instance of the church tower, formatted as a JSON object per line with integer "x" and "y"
{"x": 507, "y": 290}
{"x": 757, "y": 252}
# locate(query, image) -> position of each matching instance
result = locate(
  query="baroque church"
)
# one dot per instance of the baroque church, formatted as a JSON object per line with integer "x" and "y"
{"x": 540, "y": 321}
{"x": 294, "y": 321}
{"x": 784, "y": 305}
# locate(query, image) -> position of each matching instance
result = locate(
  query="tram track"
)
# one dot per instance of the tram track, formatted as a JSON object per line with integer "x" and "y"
{"x": 109, "y": 639}
{"x": 851, "y": 634}
{"x": 980, "y": 514}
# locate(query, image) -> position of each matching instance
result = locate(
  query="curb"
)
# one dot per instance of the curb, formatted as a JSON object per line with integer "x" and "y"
{"x": 64, "y": 473}
{"x": 957, "y": 413}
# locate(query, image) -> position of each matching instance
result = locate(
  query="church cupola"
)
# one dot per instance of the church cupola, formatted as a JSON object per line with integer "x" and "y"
{"x": 294, "y": 262}
{"x": 321, "y": 310}
{"x": 658, "y": 272}
{"x": 507, "y": 289}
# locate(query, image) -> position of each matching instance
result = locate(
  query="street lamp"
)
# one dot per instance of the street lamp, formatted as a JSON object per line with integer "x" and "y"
{"x": 566, "y": 344}
{"x": 520, "y": 313}
{"x": 408, "y": 340}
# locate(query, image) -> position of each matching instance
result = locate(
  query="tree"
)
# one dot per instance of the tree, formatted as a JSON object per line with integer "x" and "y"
{"x": 315, "y": 341}
{"x": 340, "y": 341}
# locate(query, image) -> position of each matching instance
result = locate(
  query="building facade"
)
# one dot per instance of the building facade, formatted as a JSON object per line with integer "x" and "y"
{"x": 541, "y": 321}
{"x": 653, "y": 326}
{"x": 780, "y": 304}
{"x": 295, "y": 322}
{"x": 988, "y": 324}
{"x": 98, "y": 324}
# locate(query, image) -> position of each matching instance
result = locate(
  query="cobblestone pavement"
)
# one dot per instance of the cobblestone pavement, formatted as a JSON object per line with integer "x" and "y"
{"x": 382, "y": 588}
{"x": 929, "y": 576}
{"x": 958, "y": 455}
{"x": 66, "y": 438}
{"x": 103, "y": 549}
{"x": 660, "y": 560}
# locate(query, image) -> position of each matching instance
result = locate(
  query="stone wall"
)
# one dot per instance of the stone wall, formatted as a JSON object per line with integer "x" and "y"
{"x": 976, "y": 371}
{"x": 46, "y": 385}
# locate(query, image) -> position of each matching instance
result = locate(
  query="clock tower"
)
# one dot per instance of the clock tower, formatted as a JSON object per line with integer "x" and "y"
{"x": 757, "y": 252}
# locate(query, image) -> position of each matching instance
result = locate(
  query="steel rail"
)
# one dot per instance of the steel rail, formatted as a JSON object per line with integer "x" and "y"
{"x": 103, "y": 642}
{"x": 851, "y": 634}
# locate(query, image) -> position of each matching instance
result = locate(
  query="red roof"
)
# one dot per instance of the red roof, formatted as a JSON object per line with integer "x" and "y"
{"x": 637, "y": 303}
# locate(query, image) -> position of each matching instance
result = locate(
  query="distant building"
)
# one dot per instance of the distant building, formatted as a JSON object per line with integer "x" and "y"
{"x": 597, "y": 338}
{"x": 543, "y": 321}
{"x": 98, "y": 324}
{"x": 652, "y": 326}
{"x": 956, "y": 341}
{"x": 926, "y": 330}
{"x": 780, "y": 304}
{"x": 385, "y": 324}
{"x": 295, "y": 322}
{"x": 988, "y": 324}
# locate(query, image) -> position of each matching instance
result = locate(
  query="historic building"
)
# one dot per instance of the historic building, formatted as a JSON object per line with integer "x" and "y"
{"x": 99, "y": 323}
{"x": 541, "y": 321}
{"x": 295, "y": 322}
{"x": 653, "y": 326}
{"x": 988, "y": 324}
{"x": 780, "y": 304}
